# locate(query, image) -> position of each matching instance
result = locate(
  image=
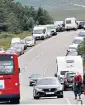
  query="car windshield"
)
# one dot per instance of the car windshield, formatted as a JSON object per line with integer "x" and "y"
{"x": 72, "y": 48}
{"x": 63, "y": 72}
{"x": 38, "y": 31}
{"x": 28, "y": 39}
{"x": 68, "y": 21}
{"x": 77, "y": 41}
{"x": 82, "y": 34}
{"x": 50, "y": 27}
{"x": 36, "y": 76}
{"x": 48, "y": 81}
{"x": 70, "y": 75}
{"x": 72, "y": 53}
{"x": 6, "y": 65}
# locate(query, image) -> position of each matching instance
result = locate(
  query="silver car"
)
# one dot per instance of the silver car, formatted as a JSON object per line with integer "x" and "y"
{"x": 23, "y": 43}
{"x": 30, "y": 41}
{"x": 48, "y": 87}
{"x": 12, "y": 50}
{"x": 19, "y": 47}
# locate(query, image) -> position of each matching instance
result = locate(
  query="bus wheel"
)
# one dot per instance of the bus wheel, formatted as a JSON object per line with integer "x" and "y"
{"x": 15, "y": 101}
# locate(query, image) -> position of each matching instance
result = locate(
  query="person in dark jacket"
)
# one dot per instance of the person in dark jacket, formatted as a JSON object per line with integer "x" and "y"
{"x": 84, "y": 83}
{"x": 77, "y": 85}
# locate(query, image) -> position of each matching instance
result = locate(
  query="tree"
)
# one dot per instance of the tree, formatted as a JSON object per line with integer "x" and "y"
{"x": 81, "y": 49}
{"x": 30, "y": 24}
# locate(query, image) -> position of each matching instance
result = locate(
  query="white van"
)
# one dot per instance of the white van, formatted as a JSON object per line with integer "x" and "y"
{"x": 67, "y": 64}
{"x": 15, "y": 40}
{"x": 71, "y": 23}
{"x": 40, "y": 32}
{"x": 78, "y": 40}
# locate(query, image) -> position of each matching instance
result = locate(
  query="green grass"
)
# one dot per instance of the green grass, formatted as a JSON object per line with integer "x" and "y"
{"x": 5, "y": 42}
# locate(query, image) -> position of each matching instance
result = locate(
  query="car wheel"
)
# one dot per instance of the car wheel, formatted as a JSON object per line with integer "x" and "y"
{"x": 65, "y": 88}
{"x": 34, "y": 95}
{"x": 60, "y": 96}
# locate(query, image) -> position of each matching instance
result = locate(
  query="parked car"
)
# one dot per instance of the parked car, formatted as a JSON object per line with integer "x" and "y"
{"x": 30, "y": 41}
{"x": 60, "y": 28}
{"x": 51, "y": 28}
{"x": 18, "y": 45}
{"x": 78, "y": 40}
{"x": 81, "y": 34}
{"x": 72, "y": 48}
{"x": 48, "y": 87}
{"x": 12, "y": 50}
{"x": 33, "y": 79}
{"x": 72, "y": 53}
{"x": 23, "y": 43}
{"x": 81, "y": 24}
{"x": 15, "y": 40}
{"x": 68, "y": 80}
{"x": 20, "y": 50}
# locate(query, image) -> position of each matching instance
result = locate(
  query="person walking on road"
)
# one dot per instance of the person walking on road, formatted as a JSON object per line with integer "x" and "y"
{"x": 84, "y": 83}
{"x": 77, "y": 85}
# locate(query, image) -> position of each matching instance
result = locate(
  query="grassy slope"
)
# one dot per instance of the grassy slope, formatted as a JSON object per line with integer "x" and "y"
{"x": 5, "y": 42}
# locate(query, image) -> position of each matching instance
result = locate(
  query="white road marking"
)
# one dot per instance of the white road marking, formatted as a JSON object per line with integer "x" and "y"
{"x": 68, "y": 101}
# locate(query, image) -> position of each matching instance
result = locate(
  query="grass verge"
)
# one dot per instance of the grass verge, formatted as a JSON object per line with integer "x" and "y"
{"x": 5, "y": 42}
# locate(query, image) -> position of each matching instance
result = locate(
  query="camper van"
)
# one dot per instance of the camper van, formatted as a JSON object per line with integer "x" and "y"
{"x": 40, "y": 32}
{"x": 71, "y": 24}
{"x": 68, "y": 64}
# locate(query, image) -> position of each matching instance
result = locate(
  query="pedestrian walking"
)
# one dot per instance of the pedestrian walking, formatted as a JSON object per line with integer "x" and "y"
{"x": 84, "y": 83}
{"x": 77, "y": 85}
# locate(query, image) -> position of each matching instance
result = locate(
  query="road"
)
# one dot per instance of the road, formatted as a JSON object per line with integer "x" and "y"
{"x": 41, "y": 59}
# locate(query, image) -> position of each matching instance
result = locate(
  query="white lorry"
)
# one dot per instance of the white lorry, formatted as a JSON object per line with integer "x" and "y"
{"x": 71, "y": 24}
{"x": 40, "y": 32}
{"x": 68, "y": 64}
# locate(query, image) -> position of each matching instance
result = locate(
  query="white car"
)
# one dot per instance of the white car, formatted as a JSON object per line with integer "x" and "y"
{"x": 30, "y": 41}
{"x": 78, "y": 40}
{"x": 81, "y": 34}
{"x": 72, "y": 53}
{"x": 72, "y": 48}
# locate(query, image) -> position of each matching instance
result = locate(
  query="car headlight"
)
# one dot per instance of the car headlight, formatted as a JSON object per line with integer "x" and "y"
{"x": 59, "y": 88}
{"x": 38, "y": 89}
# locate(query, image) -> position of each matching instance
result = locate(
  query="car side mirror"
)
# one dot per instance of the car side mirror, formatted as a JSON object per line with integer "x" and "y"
{"x": 19, "y": 70}
{"x": 29, "y": 77}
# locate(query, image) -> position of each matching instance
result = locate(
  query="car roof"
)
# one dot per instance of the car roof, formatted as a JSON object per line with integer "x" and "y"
{"x": 73, "y": 45}
{"x": 78, "y": 38}
{"x": 48, "y": 78}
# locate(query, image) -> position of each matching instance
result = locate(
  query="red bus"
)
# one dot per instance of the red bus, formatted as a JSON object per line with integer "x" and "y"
{"x": 9, "y": 78}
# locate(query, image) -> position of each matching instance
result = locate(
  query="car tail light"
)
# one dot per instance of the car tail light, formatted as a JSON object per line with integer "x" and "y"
{"x": 65, "y": 79}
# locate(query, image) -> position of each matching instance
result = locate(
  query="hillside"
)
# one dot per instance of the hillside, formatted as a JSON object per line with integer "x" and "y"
{"x": 59, "y": 9}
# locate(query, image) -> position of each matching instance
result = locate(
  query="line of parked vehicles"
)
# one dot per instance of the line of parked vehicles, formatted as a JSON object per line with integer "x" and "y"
{"x": 68, "y": 65}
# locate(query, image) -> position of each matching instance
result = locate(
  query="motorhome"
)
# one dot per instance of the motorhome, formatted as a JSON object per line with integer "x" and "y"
{"x": 71, "y": 24}
{"x": 68, "y": 64}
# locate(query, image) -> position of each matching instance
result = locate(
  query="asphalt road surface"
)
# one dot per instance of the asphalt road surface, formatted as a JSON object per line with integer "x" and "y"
{"x": 42, "y": 59}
